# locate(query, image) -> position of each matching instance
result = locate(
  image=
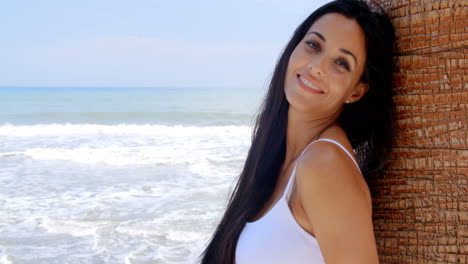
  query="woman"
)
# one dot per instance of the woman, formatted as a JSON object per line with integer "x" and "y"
{"x": 302, "y": 197}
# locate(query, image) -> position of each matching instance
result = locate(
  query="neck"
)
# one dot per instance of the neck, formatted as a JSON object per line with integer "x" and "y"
{"x": 301, "y": 130}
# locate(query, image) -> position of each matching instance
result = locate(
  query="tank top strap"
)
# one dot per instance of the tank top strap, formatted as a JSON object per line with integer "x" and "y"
{"x": 287, "y": 191}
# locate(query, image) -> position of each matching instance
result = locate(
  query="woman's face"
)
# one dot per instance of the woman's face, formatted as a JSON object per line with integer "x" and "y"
{"x": 325, "y": 68}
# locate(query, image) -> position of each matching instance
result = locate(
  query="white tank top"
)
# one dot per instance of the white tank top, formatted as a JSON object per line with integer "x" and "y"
{"x": 277, "y": 237}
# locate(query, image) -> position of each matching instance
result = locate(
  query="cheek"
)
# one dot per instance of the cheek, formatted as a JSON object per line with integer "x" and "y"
{"x": 341, "y": 81}
{"x": 292, "y": 66}
{"x": 297, "y": 59}
{"x": 294, "y": 55}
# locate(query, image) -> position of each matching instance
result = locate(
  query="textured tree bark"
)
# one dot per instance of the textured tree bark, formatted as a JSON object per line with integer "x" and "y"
{"x": 421, "y": 200}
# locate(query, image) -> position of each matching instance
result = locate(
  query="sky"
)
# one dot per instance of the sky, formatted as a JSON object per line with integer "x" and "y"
{"x": 145, "y": 43}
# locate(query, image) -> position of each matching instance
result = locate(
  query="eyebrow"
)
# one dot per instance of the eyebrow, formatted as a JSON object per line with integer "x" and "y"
{"x": 342, "y": 50}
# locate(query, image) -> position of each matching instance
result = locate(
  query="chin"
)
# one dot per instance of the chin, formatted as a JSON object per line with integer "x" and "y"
{"x": 298, "y": 101}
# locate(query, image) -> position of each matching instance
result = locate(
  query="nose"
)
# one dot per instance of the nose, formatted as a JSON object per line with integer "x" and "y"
{"x": 315, "y": 66}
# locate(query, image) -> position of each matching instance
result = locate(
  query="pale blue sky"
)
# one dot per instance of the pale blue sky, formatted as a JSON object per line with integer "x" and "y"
{"x": 145, "y": 43}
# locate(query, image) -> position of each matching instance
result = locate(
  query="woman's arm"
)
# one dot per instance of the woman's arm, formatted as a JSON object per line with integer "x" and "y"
{"x": 331, "y": 192}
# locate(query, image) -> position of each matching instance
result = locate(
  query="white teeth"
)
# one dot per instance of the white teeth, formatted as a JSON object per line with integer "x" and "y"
{"x": 310, "y": 85}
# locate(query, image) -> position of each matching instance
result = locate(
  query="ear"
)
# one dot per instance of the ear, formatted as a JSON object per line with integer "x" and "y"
{"x": 359, "y": 91}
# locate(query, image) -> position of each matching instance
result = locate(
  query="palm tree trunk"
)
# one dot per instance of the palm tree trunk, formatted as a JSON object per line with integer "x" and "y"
{"x": 421, "y": 200}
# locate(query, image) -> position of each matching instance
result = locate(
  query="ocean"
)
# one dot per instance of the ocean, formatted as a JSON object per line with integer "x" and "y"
{"x": 118, "y": 175}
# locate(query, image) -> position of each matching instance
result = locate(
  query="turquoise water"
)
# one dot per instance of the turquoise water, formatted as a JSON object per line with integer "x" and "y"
{"x": 169, "y": 106}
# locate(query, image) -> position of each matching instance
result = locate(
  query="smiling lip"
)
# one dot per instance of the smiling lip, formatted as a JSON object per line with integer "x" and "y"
{"x": 314, "y": 90}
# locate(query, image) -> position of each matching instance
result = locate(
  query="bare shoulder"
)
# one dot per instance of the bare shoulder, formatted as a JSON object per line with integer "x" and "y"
{"x": 336, "y": 161}
{"x": 337, "y": 203}
{"x": 325, "y": 163}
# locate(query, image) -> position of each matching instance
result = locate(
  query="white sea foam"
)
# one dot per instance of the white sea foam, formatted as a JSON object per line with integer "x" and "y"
{"x": 156, "y": 199}
{"x": 147, "y": 129}
{"x": 185, "y": 236}
{"x": 126, "y": 144}
{"x": 70, "y": 227}
{"x": 143, "y": 255}
{"x": 8, "y": 154}
{"x": 6, "y": 259}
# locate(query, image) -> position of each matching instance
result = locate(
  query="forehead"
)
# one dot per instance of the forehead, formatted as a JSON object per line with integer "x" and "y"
{"x": 340, "y": 32}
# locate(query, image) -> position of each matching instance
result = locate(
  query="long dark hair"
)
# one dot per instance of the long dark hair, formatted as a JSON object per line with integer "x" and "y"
{"x": 368, "y": 124}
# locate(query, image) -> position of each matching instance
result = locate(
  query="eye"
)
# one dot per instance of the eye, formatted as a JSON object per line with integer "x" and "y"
{"x": 312, "y": 44}
{"x": 344, "y": 64}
